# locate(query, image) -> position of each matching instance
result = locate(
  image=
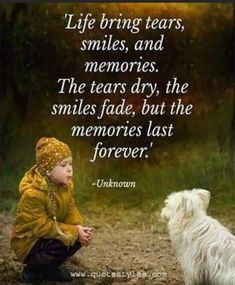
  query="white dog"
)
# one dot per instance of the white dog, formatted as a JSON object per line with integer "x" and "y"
{"x": 204, "y": 248}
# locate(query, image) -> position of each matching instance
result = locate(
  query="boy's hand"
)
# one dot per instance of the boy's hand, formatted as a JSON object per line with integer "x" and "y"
{"x": 88, "y": 230}
{"x": 84, "y": 235}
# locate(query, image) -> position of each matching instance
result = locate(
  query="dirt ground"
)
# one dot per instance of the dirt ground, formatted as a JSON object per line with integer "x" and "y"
{"x": 130, "y": 250}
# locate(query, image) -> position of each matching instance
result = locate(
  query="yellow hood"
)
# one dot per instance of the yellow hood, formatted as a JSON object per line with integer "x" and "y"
{"x": 33, "y": 179}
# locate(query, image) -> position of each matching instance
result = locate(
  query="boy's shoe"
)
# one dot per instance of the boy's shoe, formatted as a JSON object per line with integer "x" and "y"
{"x": 30, "y": 277}
{"x": 57, "y": 274}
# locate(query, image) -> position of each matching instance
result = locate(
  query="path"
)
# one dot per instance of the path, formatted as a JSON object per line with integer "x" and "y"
{"x": 121, "y": 253}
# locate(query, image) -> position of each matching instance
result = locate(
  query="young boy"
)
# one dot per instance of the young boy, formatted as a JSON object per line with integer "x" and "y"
{"x": 48, "y": 227}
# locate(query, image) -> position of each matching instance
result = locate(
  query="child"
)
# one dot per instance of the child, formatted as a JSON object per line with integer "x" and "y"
{"x": 48, "y": 226}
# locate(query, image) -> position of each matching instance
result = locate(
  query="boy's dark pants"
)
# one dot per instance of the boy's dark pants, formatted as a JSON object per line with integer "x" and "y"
{"x": 48, "y": 254}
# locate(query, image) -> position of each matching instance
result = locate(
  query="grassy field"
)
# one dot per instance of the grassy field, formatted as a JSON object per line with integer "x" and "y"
{"x": 194, "y": 165}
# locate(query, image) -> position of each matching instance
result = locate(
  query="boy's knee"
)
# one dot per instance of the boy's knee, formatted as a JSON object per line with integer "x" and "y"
{"x": 77, "y": 245}
{"x": 56, "y": 248}
{"x": 47, "y": 251}
{"x": 73, "y": 249}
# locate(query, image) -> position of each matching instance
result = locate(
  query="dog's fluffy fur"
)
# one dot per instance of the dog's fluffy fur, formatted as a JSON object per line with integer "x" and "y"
{"x": 204, "y": 248}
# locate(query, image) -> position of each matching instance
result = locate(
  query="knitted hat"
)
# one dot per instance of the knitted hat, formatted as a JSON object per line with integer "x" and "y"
{"x": 49, "y": 152}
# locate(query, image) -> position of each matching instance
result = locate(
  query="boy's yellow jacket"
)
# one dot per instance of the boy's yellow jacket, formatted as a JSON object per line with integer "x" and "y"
{"x": 35, "y": 214}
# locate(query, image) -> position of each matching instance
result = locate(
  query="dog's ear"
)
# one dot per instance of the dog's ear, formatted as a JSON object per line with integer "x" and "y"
{"x": 204, "y": 195}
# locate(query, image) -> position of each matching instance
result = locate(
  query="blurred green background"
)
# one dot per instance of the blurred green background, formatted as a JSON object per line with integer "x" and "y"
{"x": 36, "y": 50}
